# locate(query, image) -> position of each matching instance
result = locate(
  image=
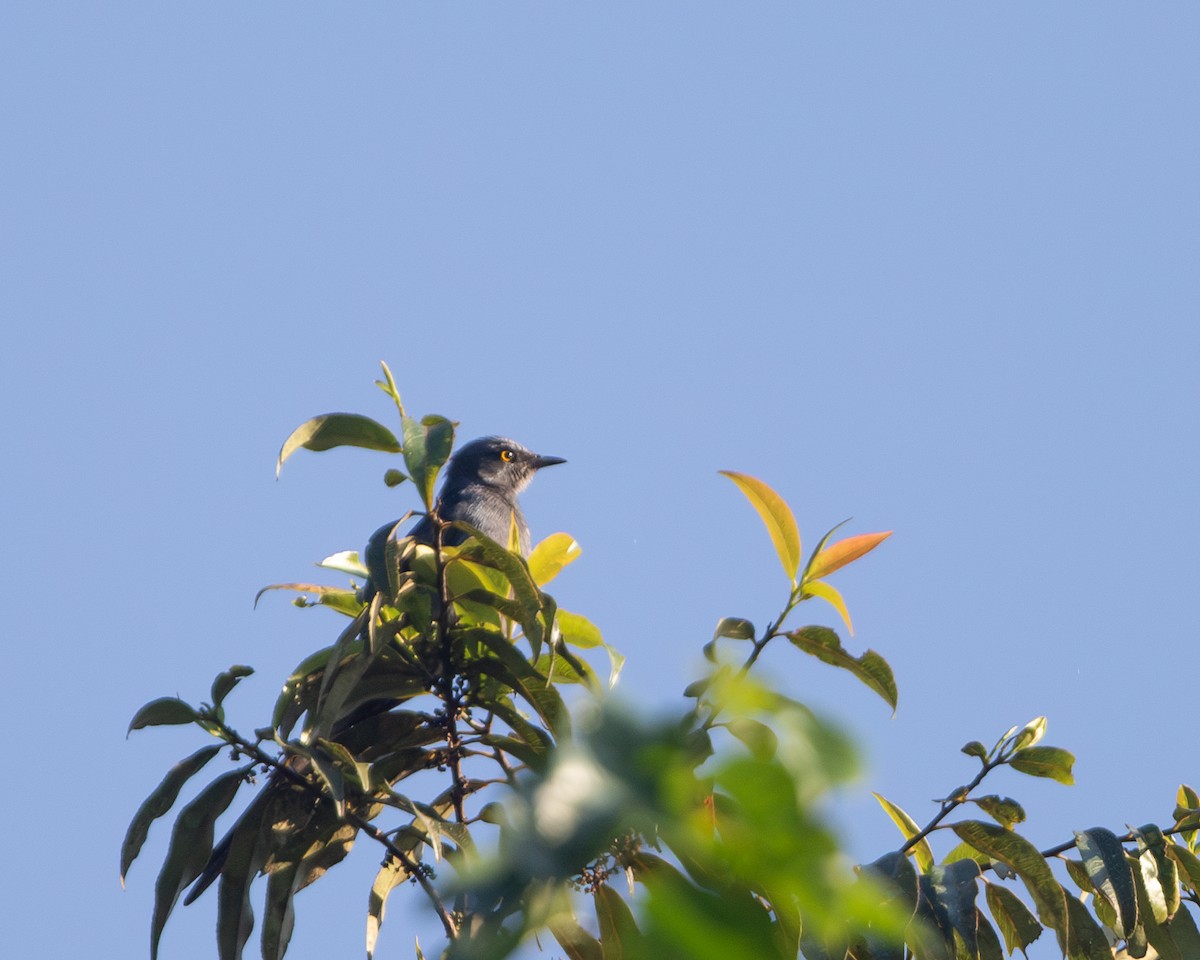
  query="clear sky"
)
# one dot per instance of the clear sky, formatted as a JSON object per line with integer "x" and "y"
{"x": 929, "y": 265}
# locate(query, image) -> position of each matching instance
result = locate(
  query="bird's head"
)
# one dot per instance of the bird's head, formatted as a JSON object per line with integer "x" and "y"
{"x": 497, "y": 462}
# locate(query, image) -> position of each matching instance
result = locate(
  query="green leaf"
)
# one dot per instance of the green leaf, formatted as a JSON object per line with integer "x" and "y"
{"x": 1024, "y": 858}
{"x": 513, "y": 670}
{"x": 758, "y": 737}
{"x": 908, "y": 827}
{"x": 1030, "y": 734}
{"x": 870, "y": 668}
{"x": 159, "y": 802}
{"x": 279, "y": 914}
{"x": 777, "y": 516}
{"x": 191, "y": 844}
{"x": 975, "y": 749}
{"x": 1154, "y": 854}
{"x": 1085, "y": 939}
{"x": 427, "y": 446}
{"x": 338, "y": 430}
{"x": 578, "y": 631}
{"x": 235, "y": 916}
{"x": 1004, "y": 810}
{"x": 618, "y": 931}
{"x": 549, "y": 557}
{"x": 1018, "y": 926}
{"x": 224, "y": 682}
{"x": 1188, "y": 862}
{"x": 531, "y": 601}
{"x": 388, "y": 386}
{"x": 954, "y": 888}
{"x": 393, "y": 478}
{"x": 346, "y": 561}
{"x": 734, "y": 628}
{"x": 576, "y": 942}
{"x": 1051, "y": 762}
{"x": 1109, "y": 873}
{"x": 165, "y": 711}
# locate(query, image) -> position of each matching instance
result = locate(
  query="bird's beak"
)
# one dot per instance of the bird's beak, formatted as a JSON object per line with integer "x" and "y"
{"x": 539, "y": 462}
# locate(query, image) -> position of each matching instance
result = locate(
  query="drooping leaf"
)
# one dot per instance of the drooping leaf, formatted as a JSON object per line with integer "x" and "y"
{"x": 427, "y": 446}
{"x": 954, "y": 888}
{"x": 576, "y": 942}
{"x": 870, "y": 668}
{"x": 1153, "y": 845}
{"x": 235, "y": 916}
{"x": 988, "y": 942}
{"x": 159, "y": 802}
{"x": 226, "y": 681}
{"x": 191, "y": 844}
{"x": 846, "y": 551}
{"x": 831, "y": 595}
{"x": 1085, "y": 939}
{"x": 1004, "y": 810}
{"x": 1018, "y": 926}
{"x": 391, "y": 875}
{"x": 734, "y": 628}
{"x": 1051, "y": 762}
{"x": 618, "y": 931}
{"x": 1023, "y": 857}
{"x": 1109, "y": 873}
{"x": 1188, "y": 862}
{"x": 338, "y": 430}
{"x": 279, "y": 914}
{"x": 550, "y": 556}
{"x": 777, "y": 516}
{"x": 165, "y": 711}
{"x": 908, "y": 827}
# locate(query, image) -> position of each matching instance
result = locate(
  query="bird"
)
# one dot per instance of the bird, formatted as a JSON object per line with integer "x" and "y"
{"x": 483, "y": 480}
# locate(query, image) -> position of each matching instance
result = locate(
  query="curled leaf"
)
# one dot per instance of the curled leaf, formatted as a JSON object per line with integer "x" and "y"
{"x": 337, "y": 430}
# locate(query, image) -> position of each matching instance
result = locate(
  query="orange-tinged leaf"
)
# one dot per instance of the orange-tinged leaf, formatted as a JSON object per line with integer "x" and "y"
{"x": 777, "y": 516}
{"x": 843, "y": 552}
{"x": 819, "y": 588}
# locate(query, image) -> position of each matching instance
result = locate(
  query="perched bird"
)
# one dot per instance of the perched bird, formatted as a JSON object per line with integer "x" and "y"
{"x": 481, "y": 486}
{"x": 482, "y": 482}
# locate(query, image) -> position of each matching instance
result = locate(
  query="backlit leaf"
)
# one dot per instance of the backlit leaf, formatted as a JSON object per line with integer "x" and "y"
{"x": 908, "y": 827}
{"x": 548, "y": 558}
{"x": 837, "y": 555}
{"x": 777, "y": 516}
{"x": 427, "y": 446}
{"x": 1052, "y": 762}
{"x": 1018, "y": 926}
{"x": 338, "y": 430}
{"x": 830, "y": 594}
{"x": 346, "y": 561}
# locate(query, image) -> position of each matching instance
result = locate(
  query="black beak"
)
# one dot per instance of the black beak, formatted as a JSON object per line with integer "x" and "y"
{"x": 539, "y": 462}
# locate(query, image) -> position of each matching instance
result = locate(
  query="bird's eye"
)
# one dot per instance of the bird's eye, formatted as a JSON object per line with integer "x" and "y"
{"x": 506, "y": 456}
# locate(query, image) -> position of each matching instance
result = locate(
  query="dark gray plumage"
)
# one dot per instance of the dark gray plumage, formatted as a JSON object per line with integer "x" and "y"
{"x": 482, "y": 482}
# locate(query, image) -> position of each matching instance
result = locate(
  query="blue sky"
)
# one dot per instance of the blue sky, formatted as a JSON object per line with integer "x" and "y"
{"x": 932, "y": 266}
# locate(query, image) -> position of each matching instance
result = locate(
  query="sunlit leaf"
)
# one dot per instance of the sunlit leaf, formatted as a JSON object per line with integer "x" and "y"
{"x": 549, "y": 557}
{"x": 830, "y": 594}
{"x": 338, "y": 430}
{"x": 1052, "y": 762}
{"x": 391, "y": 875}
{"x": 845, "y": 551}
{"x": 1030, "y": 734}
{"x": 346, "y": 561}
{"x": 1153, "y": 845}
{"x": 908, "y": 827}
{"x": 870, "y": 668}
{"x": 777, "y": 516}
{"x": 159, "y": 802}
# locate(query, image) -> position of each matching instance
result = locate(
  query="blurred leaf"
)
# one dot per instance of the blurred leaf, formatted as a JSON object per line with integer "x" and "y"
{"x": 391, "y": 875}
{"x": 777, "y": 516}
{"x": 758, "y": 737}
{"x": 1024, "y": 858}
{"x": 578, "y": 631}
{"x": 843, "y": 552}
{"x": 830, "y": 594}
{"x": 1109, "y": 873}
{"x": 549, "y": 557}
{"x": 870, "y": 668}
{"x": 191, "y": 844}
{"x": 576, "y": 942}
{"x": 427, "y": 446}
{"x": 338, "y": 430}
{"x": 618, "y": 931}
{"x": 1018, "y": 926}
{"x": 393, "y": 478}
{"x": 908, "y": 827}
{"x": 165, "y": 711}
{"x": 226, "y": 681}
{"x": 1052, "y": 762}
{"x": 159, "y": 802}
{"x": 734, "y": 628}
{"x": 346, "y": 561}
{"x": 1004, "y": 810}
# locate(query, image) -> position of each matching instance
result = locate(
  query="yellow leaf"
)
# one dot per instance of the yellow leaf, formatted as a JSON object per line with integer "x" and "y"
{"x": 819, "y": 588}
{"x": 551, "y": 555}
{"x": 777, "y": 516}
{"x": 909, "y": 828}
{"x": 846, "y": 551}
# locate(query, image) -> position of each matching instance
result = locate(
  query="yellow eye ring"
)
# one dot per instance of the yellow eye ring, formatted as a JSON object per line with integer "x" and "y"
{"x": 506, "y": 456}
